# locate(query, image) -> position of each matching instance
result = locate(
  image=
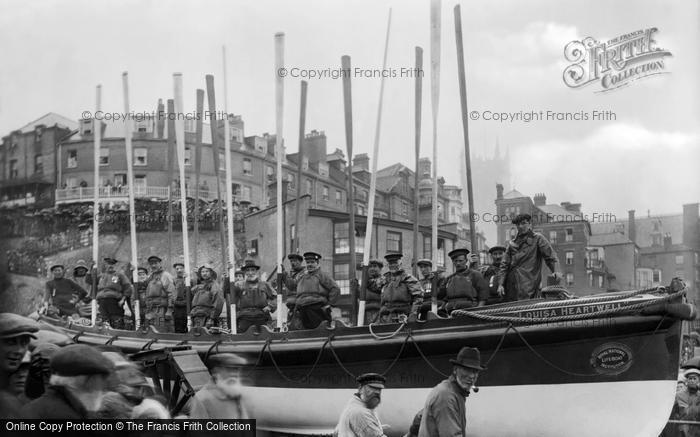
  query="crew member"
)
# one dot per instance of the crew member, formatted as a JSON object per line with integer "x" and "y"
{"x": 373, "y": 297}
{"x": 428, "y": 278}
{"x": 359, "y": 417}
{"x": 290, "y": 281}
{"x": 465, "y": 288}
{"x": 208, "y": 300}
{"x": 112, "y": 290}
{"x": 59, "y": 292}
{"x": 160, "y": 296}
{"x": 255, "y": 299}
{"x": 221, "y": 397}
{"x": 490, "y": 274}
{"x": 182, "y": 293}
{"x": 316, "y": 293}
{"x": 402, "y": 293}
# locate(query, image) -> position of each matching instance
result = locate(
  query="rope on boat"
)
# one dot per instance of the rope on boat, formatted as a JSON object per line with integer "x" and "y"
{"x": 337, "y": 359}
{"x": 215, "y": 345}
{"x": 386, "y": 337}
{"x": 279, "y": 371}
{"x": 396, "y": 360}
{"x": 427, "y": 361}
{"x": 500, "y": 343}
{"x": 535, "y": 320}
{"x": 583, "y": 300}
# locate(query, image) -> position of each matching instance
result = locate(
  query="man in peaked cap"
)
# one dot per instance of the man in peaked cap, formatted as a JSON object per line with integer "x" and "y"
{"x": 255, "y": 299}
{"x": 521, "y": 270}
{"x": 430, "y": 278}
{"x": 402, "y": 293}
{"x": 221, "y": 397}
{"x": 182, "y": 294}
{"x": 77, "y": 384}
{"x": 373, "y": 297}
{"x": 160, "y": 296}
{"x": 359, "y": 418}
{"x": 59, "y": 292}
{"x": 316, "y": 293}
{"x": 113, "y": 288}
{"x": 290, "y": 280}
{"x": 445, "y": 412}
{"x": 15, "y": 334}
{"x": 465, "y": 288}
{"x": 490, "y": 273}
{"x": 208, "y": 300}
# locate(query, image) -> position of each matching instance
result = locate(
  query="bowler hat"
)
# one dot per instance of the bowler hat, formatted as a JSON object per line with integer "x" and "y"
{"x": 312, "y": 255}
{"x": 522, "y": 217}
{"x": 495, "y": 248}
{"x": 389, "y": 257}
{"x": 249, "y": 263}
{"x": 80, "y": 359}
{"x": 371, "y": 379}
{"x": 469, "y": 357}
{"x": 458, "y": 252}
{"x": 13, "y": 325}
{"x": 228, "y": 360}
{"x": 292, "y": 256}
{"x": 109, "y": 260}
{"x": 424, "y": 262}
{"x": 154, "y": 258}
{"x": 376, "y": 262}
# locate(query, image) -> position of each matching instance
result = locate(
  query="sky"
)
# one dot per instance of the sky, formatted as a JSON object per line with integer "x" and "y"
{"x": 646, "y": 158}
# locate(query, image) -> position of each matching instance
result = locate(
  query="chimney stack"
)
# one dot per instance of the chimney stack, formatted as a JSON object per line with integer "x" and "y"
{"x": 667, "y": 242}
{"x": 632, "y": 229}
{"x": 360, "y": 162}
{"x": 424, "y": 169}
{"x": 691, "y": 226}
{"x": 540, "y": 199}
{"x": 499, "y": 191}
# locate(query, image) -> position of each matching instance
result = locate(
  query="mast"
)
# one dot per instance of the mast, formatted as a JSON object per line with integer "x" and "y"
{"x": 171, "y": 165}
{"x": 198, "y": 168}
{"x": 416, "y": 198}
{"x": 279, "y": 112}
{"x": 465, "y": 124}
{"x": 300, "y": 159}
{"x": 372, "y": 186}
{"x": 180, "y": 141}
{"x": 229, "y": 203}
{"x": 347, "y": 101}
{"x": 435, "y": 26}
{"x": 97, "y": 128}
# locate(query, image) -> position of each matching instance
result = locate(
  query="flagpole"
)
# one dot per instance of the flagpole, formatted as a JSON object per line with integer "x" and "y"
{"x": 229, "y": 199}
{"x": 97, "y": 129}
{"x": 417, "y": 131}
{"x": 180, "y": 142}
{"x": 300, "y": 163}
{"x": 435, "y": 18}
{"x": 279, "y": 112}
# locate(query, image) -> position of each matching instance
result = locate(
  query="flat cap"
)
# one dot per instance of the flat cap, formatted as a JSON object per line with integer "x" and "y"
{"x": 389, "y": 257}
{"x": 143, "y": 269}
{"x": 495, "y": 248}
{"x": 80, "y": 359}
{"x": 292, "y": 256}
{"x": 424, "y": 262}
{"x": 80, "y": 264}
{"x": 179, "y": 264}
{"x": 54, "y": 266}
{"x": 458, "y": 252}
{"x": 376, "y": 262}
{"x": 371, "y": 379}
{"x": 154, "y": 258}
{"x": 14, "y": 325}
{"x": 227, "y": 360}
{"x": 109, "y": 260}
{"x": 312, "y": 255}
{"x": 522, "y": 217}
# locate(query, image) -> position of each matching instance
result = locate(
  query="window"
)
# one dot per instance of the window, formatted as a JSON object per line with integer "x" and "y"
{"x": 119, "y": 179}
{"x": 14, "y": 171}
{"x": 393, "y": 241}
{"x": 679, "y": 260}
{"x": 37, "y": 134}
{"x": 341, "y": 241}
{"x": 308, "y": 186}
{"x": 656, "y": 276}
{"x": 404, "y": 208}
{"x": 341, "y": 274}
{"x": 104, "y": 156}
{"x": 188, "y": 156}
{"x": 569, "y": 234}
{"x": 38, "y": 164}
{"x": 590, "y": 280}
{"x": 140, "y": 180}
{"x": 72, "y": 159}
{"x": 270, "y": 172}
{"x": 222, "y": 160}
{"x": 569, "y": 257}
{"x": 338, "y": 198}
{"x": 236, "y": 134}
{"x": 569, "y": 279}
{"x": 253, "y": 248}
{"x": 247, "y": 167}
{"x": 292, "y": 180}
{"x": 140, "y": 156}
{"x": 246, "y": 193}
{"x": 143, "y": 124}
{"x": 365, "y": 195}
{"x": 86, "y": 126}
{"x": 361, "y": 210}
{"x": 325, "y": 196}
{"x": 644, "y": 277}
{"x": 600, "y": 282}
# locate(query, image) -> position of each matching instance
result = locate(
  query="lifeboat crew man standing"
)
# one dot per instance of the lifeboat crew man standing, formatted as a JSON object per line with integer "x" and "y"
{"x": 465, "y": 288}
{"x": 402, "y": 293}
{"x": 425, "y": 266}
{"x": 490, "y": 273}
{"x": 255, "y": 299}
{"x": 290, "y": 280}
{"x": 208, "y": 300}
{"x": 180, "y": 302}
{"x": 160, "y": 296}
{"x": 316, "y": 293}
{"x": 112, "y": 290}
{"x": 373, "y": 297}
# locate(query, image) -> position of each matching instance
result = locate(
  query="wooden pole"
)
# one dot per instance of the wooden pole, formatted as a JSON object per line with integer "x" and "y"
{"x": 279, "y": 113}
{"x": 300, "y": 159}
{"x": 435, "y": 27}
{"x": 465, "y": 125}
{"x": 96, "y": 127}
{"x": 416, "y": 198}
{"x": 180, "y": 140}
{"x": 347, "y": 100}
{"x": 171, "y": 169}
{"x": 229, "y": 202}
{"x": 198, "y": 167}
{"x": 373, "y": 185}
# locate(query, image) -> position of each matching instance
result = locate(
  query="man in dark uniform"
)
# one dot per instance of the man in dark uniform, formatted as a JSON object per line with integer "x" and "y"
{"x": 141, "y": 287}
{"x": 373, "y": 297}
{"x": 426, "y": 270}
{"x": 290, "y": 280}
{"x": 255, "y": 299}
{"x": 160, "y": 296}
{"x": 316, "y": 293}
{"x": 112, "y": 290}
{"x": 490, "y": 273}
{"x": 59, "y": 292}
{"x": 465, "y": 288}
{"x": 521, "y": 270}
{"x": 402, "y": 293}
{"x": 181, "y": 295}
{"x": 208, "y": 300}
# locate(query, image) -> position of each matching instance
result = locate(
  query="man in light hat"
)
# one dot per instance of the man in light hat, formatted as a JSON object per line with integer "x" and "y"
{"x": 59, "y": 292}
{"x": 160, "y": 296}
{"x": 402, "y": 293}
{"x": 373, "y": 297}
{"x": 182, "y": 294}
{"x": 81, "y": 277}
{"x": 15, "y": 333}
{"x": 490, "y": 273}
{"x": 290, "y": 280}
{"x": 359, "y": 417}
{"x": 208, "y": 300}
{"x": 113, "y": 288}
{"x": 445, "y": 412}
{"x": 430, "y": 277}
{"x": 316, "y": 293}
{"x": 465, "y": 288}
{"x": 79, "y": 377}
{"x": 521, "y": 270}
{"x": 255, "y": 299}
{"x": 221, "y": 397}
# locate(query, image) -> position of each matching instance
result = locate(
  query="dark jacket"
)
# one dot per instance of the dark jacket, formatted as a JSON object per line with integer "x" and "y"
{"x": 444, "y": 412}
{"x": 113, "y": 285}
{"x": 181, "y": 290}
{"x": 208, "y": 300}
{"x": 252, "y": 297}
{"x": 317, "y": 287}
{"x": 463, "y": 289}
{"x": 60, "y": 292}
{"x": 55, "y": 403}
{"x": 402, "y": 290}
{"x": 521, "y": 268}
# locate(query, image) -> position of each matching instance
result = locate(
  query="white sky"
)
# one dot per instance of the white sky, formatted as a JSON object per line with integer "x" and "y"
{"x": 54, "y": 53}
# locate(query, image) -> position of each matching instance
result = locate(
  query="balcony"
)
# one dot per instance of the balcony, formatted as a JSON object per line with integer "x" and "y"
{"x": 11, "y": 203}
{"x": 121, "y": 194}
